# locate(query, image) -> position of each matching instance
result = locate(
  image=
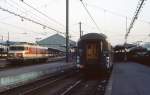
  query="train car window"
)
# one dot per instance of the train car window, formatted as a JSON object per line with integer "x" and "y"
{"x": 17, "y": 48}
{"x": 92, "y": 51}
{"x": 26, "y": 48}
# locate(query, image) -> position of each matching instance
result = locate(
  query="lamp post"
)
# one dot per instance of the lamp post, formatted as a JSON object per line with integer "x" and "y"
{"x": 8, "y": 44}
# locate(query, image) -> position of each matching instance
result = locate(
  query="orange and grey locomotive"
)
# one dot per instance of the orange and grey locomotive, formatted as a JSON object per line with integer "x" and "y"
{"x": 27, "y": 52}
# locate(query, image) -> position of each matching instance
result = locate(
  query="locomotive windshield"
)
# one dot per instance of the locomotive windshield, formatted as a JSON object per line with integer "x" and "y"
{"x": 14, "y": 48}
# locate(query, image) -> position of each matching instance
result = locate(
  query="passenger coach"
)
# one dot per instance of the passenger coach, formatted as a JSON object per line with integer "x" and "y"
{"x": 94, "y": 53}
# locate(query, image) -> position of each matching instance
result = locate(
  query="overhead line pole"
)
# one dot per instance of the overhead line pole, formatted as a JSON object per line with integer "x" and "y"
{"x": 80, "y": 29}
{"x": 2, "y": 46}
{"x": 8, "y": 43}
{"x": 67, "y": 31}
{"x": 125, "y": 56}
{"x": 126, "y": 30}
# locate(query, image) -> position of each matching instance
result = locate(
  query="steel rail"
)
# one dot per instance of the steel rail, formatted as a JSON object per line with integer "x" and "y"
{"x": 71, "y": 87}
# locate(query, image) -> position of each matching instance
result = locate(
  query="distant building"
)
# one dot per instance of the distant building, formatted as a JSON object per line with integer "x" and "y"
{"x": 56, "y": 41}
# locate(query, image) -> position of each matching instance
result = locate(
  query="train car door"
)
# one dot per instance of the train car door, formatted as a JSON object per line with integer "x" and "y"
{"x": 92, "y": 52}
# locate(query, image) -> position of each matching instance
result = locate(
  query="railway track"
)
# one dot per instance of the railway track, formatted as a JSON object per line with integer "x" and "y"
{"x": 35, "y": 87}
{"x": 67, "y": 83}
{"x": 86, "y": 87}
{"x": 70, "y": 88}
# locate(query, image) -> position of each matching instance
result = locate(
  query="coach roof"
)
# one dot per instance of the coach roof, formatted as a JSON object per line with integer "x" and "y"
{"x": 93, "y": 36}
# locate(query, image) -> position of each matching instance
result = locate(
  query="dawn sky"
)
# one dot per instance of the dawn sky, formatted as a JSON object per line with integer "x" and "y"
{"x": 110, "y": 15}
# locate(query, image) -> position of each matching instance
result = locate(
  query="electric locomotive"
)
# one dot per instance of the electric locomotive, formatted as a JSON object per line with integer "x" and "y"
{"x": 94, "y": 53}
{"x": 27, "y": 52}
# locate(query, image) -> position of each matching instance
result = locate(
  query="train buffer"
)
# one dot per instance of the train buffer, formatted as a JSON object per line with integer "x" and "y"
{"x": 129, "y": 79}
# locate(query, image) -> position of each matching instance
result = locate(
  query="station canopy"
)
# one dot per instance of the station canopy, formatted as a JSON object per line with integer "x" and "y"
{"x": 57, "y": 42}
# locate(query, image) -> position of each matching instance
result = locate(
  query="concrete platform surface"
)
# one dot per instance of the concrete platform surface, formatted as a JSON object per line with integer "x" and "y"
{"x": 18, "y": 76}
{"x": 130, "y": 79}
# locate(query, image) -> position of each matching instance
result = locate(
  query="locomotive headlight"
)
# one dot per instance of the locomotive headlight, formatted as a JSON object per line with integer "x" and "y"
{"x": 11, "y": 55}
{"x": 19, "y": 54}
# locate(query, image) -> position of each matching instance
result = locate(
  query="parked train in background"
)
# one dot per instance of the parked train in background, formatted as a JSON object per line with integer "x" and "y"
{"x": 140, "y": 53}
{"x": 3, "y": 51}
{"x": 27, "y": 52}
{"x": 94, "y": 53}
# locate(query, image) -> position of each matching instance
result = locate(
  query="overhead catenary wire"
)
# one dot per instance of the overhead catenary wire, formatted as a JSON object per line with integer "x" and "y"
{"x": 21, "y": 28}
{"x": 105, "y": 10}
{"x": 90, "y": 16}
{"x": 42, "y": 13}
{"x": 51, "y": 19}
{"x": 115, "y": 13}
{"x": 33, "y": 21}
{"x": 135, "y": 17}
{"x": 23, "y": 12}
{"x": 18, "y": 27}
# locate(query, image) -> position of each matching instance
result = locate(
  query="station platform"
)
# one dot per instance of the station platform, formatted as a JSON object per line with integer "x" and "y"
{"x": 11, "y": 78}
{"x": 129, "y": 78}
